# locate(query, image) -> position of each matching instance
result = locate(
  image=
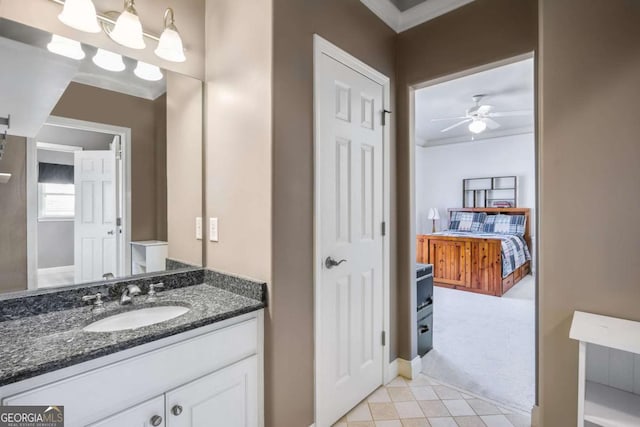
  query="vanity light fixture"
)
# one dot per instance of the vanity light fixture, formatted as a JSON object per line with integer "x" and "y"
{"x": 81, "y": 15}
{"x": 108, "y": 60}
{"x": 148, "y": 72}
{"x": 66, "y": 47}
{"x": 170, "y": 45}
{"x": 477, "y": 126}
{"x": 128, "y": 29}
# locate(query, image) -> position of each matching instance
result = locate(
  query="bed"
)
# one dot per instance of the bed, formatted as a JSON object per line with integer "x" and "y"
{"x": 476, "y": 258}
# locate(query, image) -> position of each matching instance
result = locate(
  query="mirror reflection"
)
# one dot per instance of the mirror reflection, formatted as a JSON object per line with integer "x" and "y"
{"x": 99, "y": 155}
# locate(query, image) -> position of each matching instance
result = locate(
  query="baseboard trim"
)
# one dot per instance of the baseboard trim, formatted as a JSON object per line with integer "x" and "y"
{"x": 392, "y": 371}
{"x": 535, "y": 416}
{"x": 405, "y": 368}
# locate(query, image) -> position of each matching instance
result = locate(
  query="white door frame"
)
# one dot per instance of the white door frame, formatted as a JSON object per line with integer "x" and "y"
{"x": 123, "y": 177}
{"x": 323, "y": 47}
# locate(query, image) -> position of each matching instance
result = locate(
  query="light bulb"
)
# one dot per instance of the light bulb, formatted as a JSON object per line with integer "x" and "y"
{"x": 477, "y": 126}
{"x": 148, "y": 72}
{"x": 66, "y": 47}
{"x": 108, "y": 60}
{"x": 170, "y": 45}
{"x": 128, "y": 29}
{"x": 81, "y": 15}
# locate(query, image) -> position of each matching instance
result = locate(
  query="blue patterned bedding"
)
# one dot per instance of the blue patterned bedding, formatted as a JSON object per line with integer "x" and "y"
{"x": 514, "y": 248}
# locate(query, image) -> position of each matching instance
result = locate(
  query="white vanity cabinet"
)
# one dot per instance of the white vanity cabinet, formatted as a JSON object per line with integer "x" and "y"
{"x": 207, "y": 377}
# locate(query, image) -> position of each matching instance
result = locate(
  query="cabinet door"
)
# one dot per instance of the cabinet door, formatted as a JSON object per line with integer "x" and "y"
{"x": 450, "y": 259}
{"x": 141, "y": 415}
{"x": 226, "y": 398}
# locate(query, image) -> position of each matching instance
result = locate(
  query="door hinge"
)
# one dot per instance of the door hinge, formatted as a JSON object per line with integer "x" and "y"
{"x": 118, "y": 222}
{"x": 384, "y": 338}
{"x": 384, "y": 228}
{"x": 384, "y": 117}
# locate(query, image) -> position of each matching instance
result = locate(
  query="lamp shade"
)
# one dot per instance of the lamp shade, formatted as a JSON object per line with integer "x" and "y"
{"x": 81, "y": 15}
{"x": 66, "y": 47}
{"x": 128, "y": 29}
{"x": 148, "y": 72}
{"x": 170, "y": 45}
{"x": 108, "y": 60}
{"x": 433, "y": 214}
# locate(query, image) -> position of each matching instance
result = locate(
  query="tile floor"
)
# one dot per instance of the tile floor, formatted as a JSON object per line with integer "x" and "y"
{"x": 425, "y": 402}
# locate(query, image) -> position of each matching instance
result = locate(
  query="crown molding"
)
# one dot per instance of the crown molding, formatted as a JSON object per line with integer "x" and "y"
{"x": 486, "y": 136}
{"x": 402, "y": 21}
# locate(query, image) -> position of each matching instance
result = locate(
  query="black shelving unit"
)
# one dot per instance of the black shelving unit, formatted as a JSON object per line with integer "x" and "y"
{"x": 490, "y": 192}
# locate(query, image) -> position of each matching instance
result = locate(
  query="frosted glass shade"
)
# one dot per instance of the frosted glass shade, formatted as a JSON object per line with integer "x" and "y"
{"x": 66, "y": 47}
{"x": 477, "y": 126}
{"x": 128, "y": 30}
{"x": 81, "y": 15}
{"x": 170, "y": 46}
{"x": 148, "y": 72}
{"x": 108, "y": 60}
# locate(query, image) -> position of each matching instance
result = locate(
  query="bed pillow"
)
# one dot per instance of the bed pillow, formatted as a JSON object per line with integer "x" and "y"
{"x": 467, "y": 221}
{"x": 505, "y": 224}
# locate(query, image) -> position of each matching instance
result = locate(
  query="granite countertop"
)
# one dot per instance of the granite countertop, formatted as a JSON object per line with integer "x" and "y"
{"x": 34, "y": 345}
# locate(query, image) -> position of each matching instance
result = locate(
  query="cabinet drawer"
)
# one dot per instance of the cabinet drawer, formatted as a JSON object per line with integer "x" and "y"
{"x": 96, "y": 394}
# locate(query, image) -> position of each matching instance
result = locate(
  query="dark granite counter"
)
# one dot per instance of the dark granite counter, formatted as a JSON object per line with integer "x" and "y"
{"x": 35, "y": 344}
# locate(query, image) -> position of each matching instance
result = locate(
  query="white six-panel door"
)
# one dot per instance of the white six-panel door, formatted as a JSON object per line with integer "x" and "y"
{"x": 95, "y": 217}
{"x": 349, "y": 363}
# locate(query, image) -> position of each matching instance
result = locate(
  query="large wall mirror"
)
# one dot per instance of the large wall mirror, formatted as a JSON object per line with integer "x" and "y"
{"x": 101, "y": 164}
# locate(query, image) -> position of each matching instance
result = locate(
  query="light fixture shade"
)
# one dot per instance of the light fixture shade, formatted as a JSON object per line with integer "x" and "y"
{"x": 148, "y": 72}
{"x": 433, "y": 214}
{"x": 477, "y": 126}
{"x": 81, "y": 15}
{"x": 108, "y": 60}
{"x": 170, "y": 46}
{"x": 128, "y": 29}
{"x": 66, "y": 47}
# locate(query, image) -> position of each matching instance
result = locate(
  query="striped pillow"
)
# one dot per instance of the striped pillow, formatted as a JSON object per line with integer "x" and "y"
{"x": 505, "y": 224}
{"x": 467, "y": 221}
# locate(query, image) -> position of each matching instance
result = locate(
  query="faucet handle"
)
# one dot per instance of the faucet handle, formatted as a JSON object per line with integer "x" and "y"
{"x": 153, "y": 287}
{"x": 97, "y": 298}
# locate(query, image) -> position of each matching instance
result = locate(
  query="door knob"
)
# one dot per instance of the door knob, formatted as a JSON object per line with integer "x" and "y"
{"x": 330, "y": 262}
{"x": 156, "y": 420}
{"x": 176, "y": 410}
{"x": 110, "y": 232}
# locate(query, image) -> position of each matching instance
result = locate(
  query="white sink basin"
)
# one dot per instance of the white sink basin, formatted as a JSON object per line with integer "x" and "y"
{"x": 136, "y": 318}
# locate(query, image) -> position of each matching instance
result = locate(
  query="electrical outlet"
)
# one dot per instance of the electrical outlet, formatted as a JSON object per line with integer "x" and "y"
{"x": 199, "y": 228}
{"x": 213, "y": 229}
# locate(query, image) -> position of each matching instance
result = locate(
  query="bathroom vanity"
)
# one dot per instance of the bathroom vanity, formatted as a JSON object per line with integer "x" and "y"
{"x": 201, "y": 368}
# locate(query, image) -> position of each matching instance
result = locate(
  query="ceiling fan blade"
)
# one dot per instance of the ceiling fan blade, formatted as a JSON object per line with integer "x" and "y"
{"x": 491, "y": 124}
{"x": 448, "y": 118}
{"x": 456, "y": 125}
{"x": 511, "y": 113}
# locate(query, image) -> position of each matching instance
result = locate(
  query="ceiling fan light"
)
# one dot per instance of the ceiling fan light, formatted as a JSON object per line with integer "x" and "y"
{"x": 170, "y": 46}
{"x": 148, "y": 72}
{"x": 477, "y": 126}
{"x": 81, "y": 15}
{"x": 128, "y": 29}
{"x": 66, "y": 47}
{"x": 109, "y": 61}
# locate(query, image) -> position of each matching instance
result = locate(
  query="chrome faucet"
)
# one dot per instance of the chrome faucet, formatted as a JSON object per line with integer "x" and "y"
{"x": 128, "y": 294}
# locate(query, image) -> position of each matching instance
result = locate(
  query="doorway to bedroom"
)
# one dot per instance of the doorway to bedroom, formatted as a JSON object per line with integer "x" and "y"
{"x": 475, "y": 198}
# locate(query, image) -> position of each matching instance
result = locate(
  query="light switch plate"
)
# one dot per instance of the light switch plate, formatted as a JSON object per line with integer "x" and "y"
{"x": 199, "y": 228}
{"x": 213, "y": 229}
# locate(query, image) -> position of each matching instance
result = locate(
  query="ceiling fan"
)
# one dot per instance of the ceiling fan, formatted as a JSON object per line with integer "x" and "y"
{"x": 480, "y": 117}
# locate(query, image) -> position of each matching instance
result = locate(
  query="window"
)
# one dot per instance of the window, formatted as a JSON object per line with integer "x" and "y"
{"x": 56, "y": 201}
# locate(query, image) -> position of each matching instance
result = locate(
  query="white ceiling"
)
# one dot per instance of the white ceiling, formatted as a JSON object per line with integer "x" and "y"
{"x": 507, "y": 88}
{"x": 404, "y": 14}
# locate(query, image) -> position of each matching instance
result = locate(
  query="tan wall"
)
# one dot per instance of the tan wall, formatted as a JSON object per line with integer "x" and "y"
{"x": 238, "y": 135}
{"x": 589, "y": 156}
{"x": 290, "y": 351}
{"x": 184, "y": 160}
{"x": 482, "y": 32}
{"x": 13, "y": 217}
{"x": 189, "y": 15}
{"x": 103, "y": 106}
